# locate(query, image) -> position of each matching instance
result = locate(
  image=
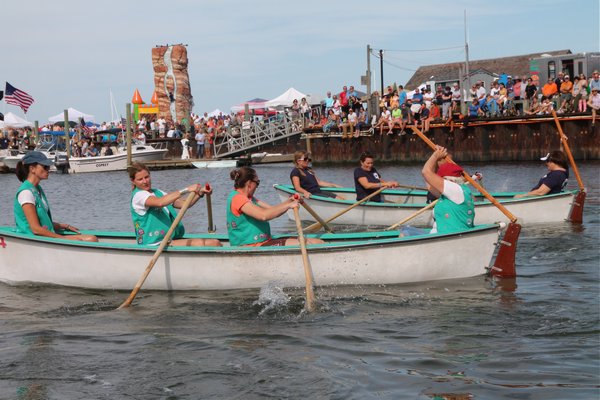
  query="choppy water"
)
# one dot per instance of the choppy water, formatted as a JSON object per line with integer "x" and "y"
{"x": 536, "y": 337}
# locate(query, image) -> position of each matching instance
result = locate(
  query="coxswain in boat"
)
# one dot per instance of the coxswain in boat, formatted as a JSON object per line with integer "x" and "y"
{"x": 455, "y": 209}
{"x": 31, "y": 208}
{"x": 153, "y": 211}
{"x": 367, "y": 179}
{"x": 555, "y": 179}
{"x": 305, "y": 180}
{"x": 248, "y": 217}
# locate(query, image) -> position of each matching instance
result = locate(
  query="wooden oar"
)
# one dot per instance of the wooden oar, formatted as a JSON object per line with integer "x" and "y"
{"x": 211, "y": 228}
{"x": 315, "y": 216}
{"x": 310, "y": 295}
{"x": 314, "y": 227}
{"x": 412, "y": 187}
{"x": 576, "y": 214}
{"x": 405, "y": 220}
{"x": 158, "y": 251}
{"x": 505, "y": 259}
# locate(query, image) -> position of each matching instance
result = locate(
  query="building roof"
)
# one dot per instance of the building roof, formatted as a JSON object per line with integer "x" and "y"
{"x": 514, "y": 65}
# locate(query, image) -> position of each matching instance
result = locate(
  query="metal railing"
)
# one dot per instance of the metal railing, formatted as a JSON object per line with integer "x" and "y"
{"x": 251, "y": 135}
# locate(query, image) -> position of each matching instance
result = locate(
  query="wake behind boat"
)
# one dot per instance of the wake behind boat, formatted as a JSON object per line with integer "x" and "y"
{"x": 399, "y": 204}
{"x": 370, "y": 258}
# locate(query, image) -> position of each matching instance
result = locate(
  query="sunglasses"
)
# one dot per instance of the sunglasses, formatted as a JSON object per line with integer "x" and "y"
{"x": 257, "y": 182}
{"x": 305, "y": 159}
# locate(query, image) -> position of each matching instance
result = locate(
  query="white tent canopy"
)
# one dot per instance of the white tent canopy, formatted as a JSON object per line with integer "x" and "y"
{"x": 74, "y": 116}
{"x": 13, "y": 121}
{"x": 286, "y": 98}
{"x": 215, "y": 113}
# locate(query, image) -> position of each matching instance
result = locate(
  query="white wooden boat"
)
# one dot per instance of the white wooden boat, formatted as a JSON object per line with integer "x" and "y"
{"x": 49, "y": 149}
{"x": 215, "y": 164}
{"x": 118, "y": 161}
{"x": 116, "y": 262}
{"x": 400, "y": 204}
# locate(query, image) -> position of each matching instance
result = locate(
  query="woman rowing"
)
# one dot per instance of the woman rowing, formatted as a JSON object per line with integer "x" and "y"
{"x": 455, "y": 209}
{"x": 305, "y": 180}
{"x": 31, "y": 208}
{"x": 153, "y": 211}
{"x": 555, "y": 179}
{"x": 248, "y": 217}
{"x": 367, "y": 179}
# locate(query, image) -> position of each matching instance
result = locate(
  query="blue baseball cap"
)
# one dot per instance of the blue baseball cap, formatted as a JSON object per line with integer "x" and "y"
{"x": 36, "y": 157}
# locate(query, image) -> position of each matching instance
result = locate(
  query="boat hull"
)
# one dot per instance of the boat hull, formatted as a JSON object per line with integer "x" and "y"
{"x": 215, "y": 164}
{"x": 381, "y": 258}
{"x": 401, "y": 204}
{"x": 117, "y": 162}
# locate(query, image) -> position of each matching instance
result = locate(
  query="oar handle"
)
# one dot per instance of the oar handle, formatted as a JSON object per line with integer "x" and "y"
{"x": 313, "y": 213}
{"x": 484, "y": 192}
{"x": 310, "y": 294}
{"x": 405, "y": 220}
{"x": 316, "y": 225}
{"x": 158, "y": 251}
{"x": 564, "y": 139}
{"x": 211, "y": 227}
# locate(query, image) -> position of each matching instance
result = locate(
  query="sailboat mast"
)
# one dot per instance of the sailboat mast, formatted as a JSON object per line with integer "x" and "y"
{"x": 467, "y": 59}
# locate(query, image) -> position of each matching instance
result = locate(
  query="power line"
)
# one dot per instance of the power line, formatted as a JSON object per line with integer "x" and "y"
{"x": 422, "y": 50}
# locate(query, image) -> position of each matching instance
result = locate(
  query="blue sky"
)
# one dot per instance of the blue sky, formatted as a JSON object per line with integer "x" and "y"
{"x": 73, "y": 53}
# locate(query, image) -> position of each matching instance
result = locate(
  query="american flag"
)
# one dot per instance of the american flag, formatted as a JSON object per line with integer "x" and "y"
{"x": 17, "y": 97}
{"x": 88, "y": 131}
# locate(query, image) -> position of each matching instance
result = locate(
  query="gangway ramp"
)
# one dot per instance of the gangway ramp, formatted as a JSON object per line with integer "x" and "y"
{"x": 250, "y": 136}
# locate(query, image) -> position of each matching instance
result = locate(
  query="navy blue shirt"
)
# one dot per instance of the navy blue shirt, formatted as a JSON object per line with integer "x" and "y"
{"x": 555, "y": 180}
{"x": 373, "y": 177}
{"x": 308, "y": 181}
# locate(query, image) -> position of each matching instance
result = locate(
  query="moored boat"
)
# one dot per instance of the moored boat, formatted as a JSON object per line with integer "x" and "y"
{"x": 118, "y": 161}
{"x": 116, "y": 261}
{"x": 399, "y": 204}
{"x": 215, "y": 163}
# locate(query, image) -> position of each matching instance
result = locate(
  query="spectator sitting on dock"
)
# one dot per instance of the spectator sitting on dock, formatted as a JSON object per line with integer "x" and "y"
{"x": 594, "y": 103}
{"x": 534, "y": 107}
{"x": 332, "y": 121}
{"x": 384, "y": 119}
{"x": 530, "y": 90}
{"x": 566, "y": 95}
{"x": 550, "y": 89}
{"x": 546, "y": 107}
{"x": 361, "y": 122}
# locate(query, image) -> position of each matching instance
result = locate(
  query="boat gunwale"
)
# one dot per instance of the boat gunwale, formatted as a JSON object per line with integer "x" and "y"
{"x": 347, "y": 245}
{"x": 504, "y": 197}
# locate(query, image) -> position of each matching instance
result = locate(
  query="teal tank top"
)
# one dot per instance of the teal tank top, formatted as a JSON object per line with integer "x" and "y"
{"x": 452, "y": 217}
{"x": 152, "y": 227}
{"x": 244, "y": 229}
{"x": 44, "y": 216}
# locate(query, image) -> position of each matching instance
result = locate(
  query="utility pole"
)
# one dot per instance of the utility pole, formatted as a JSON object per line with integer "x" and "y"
{"x": 466, "y": 90}
{"x": 368, "y": 77}
{"x": 381, "y": 69}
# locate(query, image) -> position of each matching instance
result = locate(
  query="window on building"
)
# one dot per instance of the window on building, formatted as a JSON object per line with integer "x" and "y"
{"x": 551, "y": 70}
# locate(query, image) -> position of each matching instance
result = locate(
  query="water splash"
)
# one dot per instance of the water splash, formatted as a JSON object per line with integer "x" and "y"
{"x": 271, "y": 297}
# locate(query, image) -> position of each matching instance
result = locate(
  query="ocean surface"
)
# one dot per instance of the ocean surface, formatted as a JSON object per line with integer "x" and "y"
{"x": 534, "y": 337}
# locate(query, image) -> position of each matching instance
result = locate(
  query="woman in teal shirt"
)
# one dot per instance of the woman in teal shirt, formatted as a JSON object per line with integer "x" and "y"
{"x": 248, "y": 218}
{"x": 455, "y": 210}
{"x": 31, "y": 208}
{"x": 153, "y": 211}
